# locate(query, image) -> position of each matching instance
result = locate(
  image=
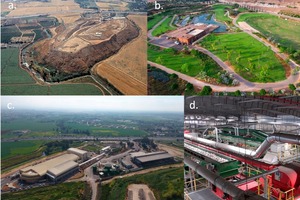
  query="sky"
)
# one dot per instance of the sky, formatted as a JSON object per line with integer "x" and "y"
{"x": 94, "y": 103}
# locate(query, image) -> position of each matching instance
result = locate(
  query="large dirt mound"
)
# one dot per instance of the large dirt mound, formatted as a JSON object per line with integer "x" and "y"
{"x": 71, "y": 64}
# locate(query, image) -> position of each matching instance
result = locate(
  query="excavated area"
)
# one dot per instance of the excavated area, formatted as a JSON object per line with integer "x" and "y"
{"x": 78, "y": 47}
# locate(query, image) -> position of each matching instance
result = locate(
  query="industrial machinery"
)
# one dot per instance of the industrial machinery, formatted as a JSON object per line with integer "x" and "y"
{"x": 242, "y": 147}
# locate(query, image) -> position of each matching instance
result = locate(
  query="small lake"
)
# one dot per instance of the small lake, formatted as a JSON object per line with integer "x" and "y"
{"x": 185, "y": 21}
{"x": 204, "y": 18}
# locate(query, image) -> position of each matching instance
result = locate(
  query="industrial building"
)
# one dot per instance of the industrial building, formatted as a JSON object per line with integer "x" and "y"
{"x": 55, "y": 169}
{"x": 242, "y": 147}
{"x": 142, "y": 159}
{"x": 191, "y": 33}
{"x": 83, "y": 155}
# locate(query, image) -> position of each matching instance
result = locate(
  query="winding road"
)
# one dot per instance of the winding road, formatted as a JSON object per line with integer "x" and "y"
{"x": 244, "y": 85}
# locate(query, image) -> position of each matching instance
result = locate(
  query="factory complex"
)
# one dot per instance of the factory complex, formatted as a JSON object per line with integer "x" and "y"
{"x": 55, "y": 169}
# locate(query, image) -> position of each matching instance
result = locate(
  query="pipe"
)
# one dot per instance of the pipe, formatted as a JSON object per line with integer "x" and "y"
{"x": 277, "y": 137}
{"x": 214, "y": 179}
{"x": 251, "y": 178}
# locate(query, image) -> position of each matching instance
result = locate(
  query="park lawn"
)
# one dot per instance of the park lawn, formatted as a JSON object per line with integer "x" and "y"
{"x": 250, "y": 58}
{"x": 175, "y": 61}
{"x": 164, "y": 27}
{"x": 165, "y": 184}
{"x": 285, "y": 32}
{"x": 70, "y": 191}
{"x": 154, "y": 19}
{"x": 10, "y": 70}
{"x": 220, "y": 12}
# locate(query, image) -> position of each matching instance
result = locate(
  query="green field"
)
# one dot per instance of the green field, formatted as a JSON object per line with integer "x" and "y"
{"x": 250, "y": 58}
{"x": 10, "y": 149}
{"x": 16, "y": 153}
{"x": 154, "y": 19}
{"x": 7, "y": 32}
{"x": 63, "y": 191}
{"x": 285, "y": 32}
{"x": 16, "y": 81}
{"x": 220, "y": 11}
{"x": 164, "y": 27}
{"x": 10, "y": 70}
{"x": 166, "y": 184}
{"x": 175, "y": 61}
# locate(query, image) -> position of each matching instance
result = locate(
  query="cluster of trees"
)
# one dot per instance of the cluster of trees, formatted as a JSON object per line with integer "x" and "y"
{"x": 57, "y": 146}
{"x": 147, "y": 144}
{"x": 63, "y": 129}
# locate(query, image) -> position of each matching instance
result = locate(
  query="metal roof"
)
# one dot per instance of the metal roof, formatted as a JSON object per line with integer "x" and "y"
{"x": 62, "y": 168}
{"x": 79, "y": 151}
{"x": 42, "y": 168}
{"x": 153, "y": 156}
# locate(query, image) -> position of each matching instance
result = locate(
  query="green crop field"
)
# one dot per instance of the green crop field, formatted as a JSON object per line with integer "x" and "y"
{"x": 165, "y": 184}
{"x": 10, "y": 70}
{"x": 7, "y": 32}
{"x": 10, "y": 149}
{"x": 220, "y": 12}
{"x": 164, "y": 27}
{"x": 250, "y": 58}
{"x": 175, "y": 61}
{"x": 285, "y": 32}
{"x": 16, "y": 81}
{"x": 61, "y": 89}
{"x": 70, "y": 191}
{"x": 154, "y": 19}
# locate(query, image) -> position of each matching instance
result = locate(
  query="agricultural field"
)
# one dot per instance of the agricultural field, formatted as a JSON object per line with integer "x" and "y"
{"x": 11, "y": 149}
{"x": 249, "y": 58}
{"x": 71, "y": 191}
{"x": 8, "y": 32}
{"x": 16, "y": 81}
{"x": 164, "y": 27}
{"x": 154, "y": 19}
{"x": 156, "y": 181}
{"x": 16, "y": 153}
{"x": 10, "y": 70}
{"x": 184, "y": 63}
{"x": 126, "y": 69}
{"x": 277, "y": 30}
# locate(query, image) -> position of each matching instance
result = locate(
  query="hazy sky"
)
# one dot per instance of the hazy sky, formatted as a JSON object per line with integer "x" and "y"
{"x": 95, "y": 103}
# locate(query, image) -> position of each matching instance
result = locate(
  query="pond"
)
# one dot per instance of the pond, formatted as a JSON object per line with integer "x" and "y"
{"x": 206, "y": 19}
{"x": 185, "y": 21}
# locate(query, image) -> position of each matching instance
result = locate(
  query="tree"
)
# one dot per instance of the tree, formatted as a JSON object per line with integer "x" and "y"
{"x": 206, "y": 90}
{"x": 262, "y": 92}
{"x": 185, "y": 67}
{"x": 189, "y": 86}
{"x": 237, "y": 93}
{"x": 292, "y": 87}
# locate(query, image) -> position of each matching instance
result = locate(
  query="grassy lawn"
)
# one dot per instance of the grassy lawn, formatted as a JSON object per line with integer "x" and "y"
{"x": 70, "y": 191}
{"x": 164, "y": 27}
{"x": 285, "y": 32}
{"x": 250, "y": 58}
{"x": 175, "y": 61}
{"x": 220, "y": 12}
{"x": 165, "y": 184}
{"x": 10, "y": 70}
{"x": 154, "y": 19}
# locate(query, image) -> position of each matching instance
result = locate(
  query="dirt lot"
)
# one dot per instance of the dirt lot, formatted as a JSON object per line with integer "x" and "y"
{"x": 139, "y": 192}
{"x": 129, "y": 65}
{"x": 112, "y": 5}
{"x": 173, "y": 151}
